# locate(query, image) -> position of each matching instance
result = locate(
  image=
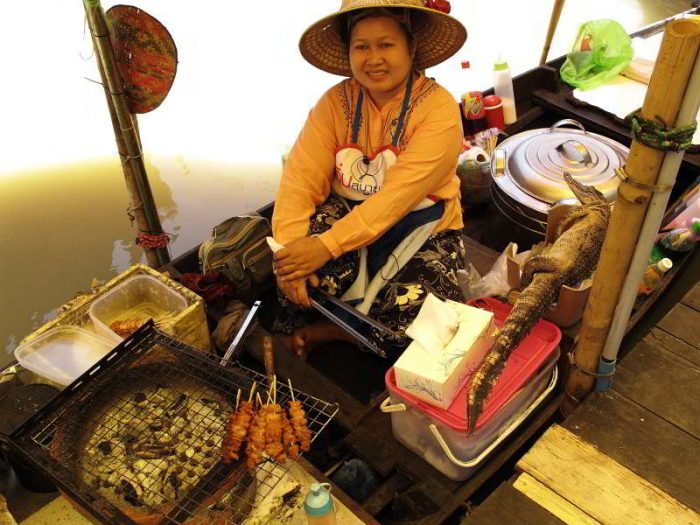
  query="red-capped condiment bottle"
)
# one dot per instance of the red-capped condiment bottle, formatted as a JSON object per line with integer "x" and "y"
{"x": 473, "y": 111}
{"x": 494, "y": 112}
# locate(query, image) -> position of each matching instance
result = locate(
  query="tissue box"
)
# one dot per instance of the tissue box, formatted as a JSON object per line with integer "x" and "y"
{"x": 436, "y": 376}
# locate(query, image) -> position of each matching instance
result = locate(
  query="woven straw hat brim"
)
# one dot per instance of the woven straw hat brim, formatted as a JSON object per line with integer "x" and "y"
{"x": 438, "y": 37}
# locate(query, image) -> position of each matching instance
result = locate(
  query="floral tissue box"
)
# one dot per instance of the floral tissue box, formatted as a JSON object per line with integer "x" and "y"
{"x": 436, "y": 375}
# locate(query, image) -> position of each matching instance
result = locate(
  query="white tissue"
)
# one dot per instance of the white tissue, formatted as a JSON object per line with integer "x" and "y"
{"x": 434, "y": 326}
{"x": 476, "y": 154}
{"x": 273, "y": 244}
{"x": 436, "y": 377}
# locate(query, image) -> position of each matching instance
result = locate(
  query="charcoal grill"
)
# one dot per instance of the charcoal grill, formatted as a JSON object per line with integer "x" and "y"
{"x": 136, "y": 439}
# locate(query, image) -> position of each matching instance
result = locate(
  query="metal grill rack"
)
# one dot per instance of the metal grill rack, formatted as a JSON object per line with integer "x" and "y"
{"x": 138, "y": 436}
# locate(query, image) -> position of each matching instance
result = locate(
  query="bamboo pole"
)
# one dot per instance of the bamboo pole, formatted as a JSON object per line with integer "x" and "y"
{"x": 667, "y": 86}
{"x": 125, "y": 131}
{"x": 667, "y": 176}
{"x": 553, "y": 22}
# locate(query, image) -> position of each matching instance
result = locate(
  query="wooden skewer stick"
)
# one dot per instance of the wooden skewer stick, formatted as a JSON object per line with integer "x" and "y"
{"x": 260, "y": 403}
{"x": 252, "y": 391}
{"x": 274, "y": 388}
{"x": 291, "y": 390}
{"x": 238, "y": 398}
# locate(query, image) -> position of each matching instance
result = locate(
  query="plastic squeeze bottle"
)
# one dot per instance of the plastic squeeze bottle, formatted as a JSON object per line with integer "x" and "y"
{"x": 318, "y": 505}
{"x": 473, "y": 110}
{"x": 653, "y": 275}
{"x": 503, "y": 87}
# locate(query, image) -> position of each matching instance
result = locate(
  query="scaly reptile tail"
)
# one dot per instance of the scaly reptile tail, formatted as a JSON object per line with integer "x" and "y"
{"x": 532, "y": 303}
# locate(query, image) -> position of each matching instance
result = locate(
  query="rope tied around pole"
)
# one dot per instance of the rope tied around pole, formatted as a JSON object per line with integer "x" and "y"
{"x": 147, "y": 240}
{"x": 657, "y": 134}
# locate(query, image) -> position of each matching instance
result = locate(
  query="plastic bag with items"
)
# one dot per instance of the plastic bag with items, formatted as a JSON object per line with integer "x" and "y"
{"x": 601, "y": 51}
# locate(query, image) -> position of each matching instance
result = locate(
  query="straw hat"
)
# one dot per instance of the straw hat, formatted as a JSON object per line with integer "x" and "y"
{"x": 438, "y": 36}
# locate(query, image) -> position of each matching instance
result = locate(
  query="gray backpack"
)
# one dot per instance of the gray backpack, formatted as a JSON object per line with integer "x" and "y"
{"x": 238, "y": 249}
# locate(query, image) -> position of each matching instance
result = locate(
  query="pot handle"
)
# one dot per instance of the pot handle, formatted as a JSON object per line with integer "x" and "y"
{"x": 498, "y": 163}
{"x": 386, "y": 407}
{"x": 567, "y": 121}
{"x": 513, "y": 425}
{"x": 574, "y": 151}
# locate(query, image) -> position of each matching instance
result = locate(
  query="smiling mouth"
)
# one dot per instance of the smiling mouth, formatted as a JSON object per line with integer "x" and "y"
{"x": 377, "y": 74}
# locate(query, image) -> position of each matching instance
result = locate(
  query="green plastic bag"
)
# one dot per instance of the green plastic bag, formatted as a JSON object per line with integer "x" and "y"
{"x": 601, "y": 51}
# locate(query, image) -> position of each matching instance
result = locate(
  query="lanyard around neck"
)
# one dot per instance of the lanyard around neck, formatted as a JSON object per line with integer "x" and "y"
{"x": 399, "y": 126}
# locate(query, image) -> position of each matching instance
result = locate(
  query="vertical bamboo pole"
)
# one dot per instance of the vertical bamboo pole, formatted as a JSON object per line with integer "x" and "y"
{"x": 553, "y": 22}
{"x": 128, "y": 143}
{"x": 667, "y": 86}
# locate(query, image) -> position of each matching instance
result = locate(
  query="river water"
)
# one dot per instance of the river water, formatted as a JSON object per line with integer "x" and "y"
{"x": 64, "y": 226}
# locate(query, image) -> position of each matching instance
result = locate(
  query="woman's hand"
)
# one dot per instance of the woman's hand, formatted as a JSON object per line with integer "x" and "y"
{"x": 295, "y": 290}
{"x": 301, "y": 258}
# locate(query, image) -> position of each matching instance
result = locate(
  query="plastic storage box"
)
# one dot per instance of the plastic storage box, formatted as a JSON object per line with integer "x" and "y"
{"x": 139, "y": 298}
{"x": 440, "y": 436}
{"x": 63, "y": 353}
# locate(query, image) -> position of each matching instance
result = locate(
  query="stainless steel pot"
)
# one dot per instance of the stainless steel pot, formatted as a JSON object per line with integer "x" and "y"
{"x": 528, "y": 177}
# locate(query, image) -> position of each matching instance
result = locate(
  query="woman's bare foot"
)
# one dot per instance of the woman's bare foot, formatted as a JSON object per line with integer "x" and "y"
{"x": 306, "y": 338}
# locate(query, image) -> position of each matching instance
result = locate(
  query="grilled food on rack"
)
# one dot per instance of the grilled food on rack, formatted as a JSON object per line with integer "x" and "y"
{"x": 256, "y": 438}
{"x": 289, "y": 439}
{"x": 273, "y": 433}
{"x": 298, "y": 421}
{"x": 237, "y": 430}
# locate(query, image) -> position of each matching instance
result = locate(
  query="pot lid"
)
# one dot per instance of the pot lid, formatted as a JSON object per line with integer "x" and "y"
{"x": 535, "y": 162}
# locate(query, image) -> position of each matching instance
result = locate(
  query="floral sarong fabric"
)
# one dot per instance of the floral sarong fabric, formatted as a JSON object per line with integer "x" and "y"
{"x": 433, "y": 269}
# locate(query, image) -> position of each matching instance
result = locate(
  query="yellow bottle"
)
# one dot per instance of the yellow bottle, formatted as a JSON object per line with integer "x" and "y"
{"x": 653, "y": 275}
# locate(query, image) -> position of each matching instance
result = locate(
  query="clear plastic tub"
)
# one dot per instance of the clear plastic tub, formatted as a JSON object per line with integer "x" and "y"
{"x": 440, "y": 436}
{"x": 137, "y": 299}
{"x": 63, "y": 353}
{"x": 451, "y": 450}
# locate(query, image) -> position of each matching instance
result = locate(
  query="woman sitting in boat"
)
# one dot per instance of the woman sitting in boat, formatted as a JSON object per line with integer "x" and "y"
{"x": 369, "y": 205}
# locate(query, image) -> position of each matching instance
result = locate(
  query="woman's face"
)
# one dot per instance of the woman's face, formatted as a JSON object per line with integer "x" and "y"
{"x": 380, "y": 56}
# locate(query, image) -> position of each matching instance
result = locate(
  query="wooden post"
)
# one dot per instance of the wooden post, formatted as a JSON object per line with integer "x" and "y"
{"x": 553, "y": 22}
{"x": 125, "y": 131}
{"x": 674, "y": 63}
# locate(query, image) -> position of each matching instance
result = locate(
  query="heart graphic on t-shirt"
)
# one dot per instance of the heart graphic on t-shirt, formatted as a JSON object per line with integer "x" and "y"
{"x": 358, "y": 173}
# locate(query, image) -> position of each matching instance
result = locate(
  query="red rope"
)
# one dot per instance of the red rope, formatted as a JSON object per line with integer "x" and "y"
{"x": 146, "y": 240}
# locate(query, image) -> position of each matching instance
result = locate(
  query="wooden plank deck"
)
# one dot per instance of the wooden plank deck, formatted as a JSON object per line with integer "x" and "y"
{"x": 629, "y": 455}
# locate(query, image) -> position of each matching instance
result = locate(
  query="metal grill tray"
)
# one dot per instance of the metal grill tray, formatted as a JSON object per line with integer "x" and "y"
{"x": 153, "y": 381}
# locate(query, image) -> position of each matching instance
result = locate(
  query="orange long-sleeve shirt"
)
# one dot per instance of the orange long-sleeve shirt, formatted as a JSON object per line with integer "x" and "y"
{"x": 426, "y": 164}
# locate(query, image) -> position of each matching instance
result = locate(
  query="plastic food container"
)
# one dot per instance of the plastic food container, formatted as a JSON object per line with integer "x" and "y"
{"x": 63, "y": 353}
{"x": 137, "y": 299}
{"x": 440, "y": 436}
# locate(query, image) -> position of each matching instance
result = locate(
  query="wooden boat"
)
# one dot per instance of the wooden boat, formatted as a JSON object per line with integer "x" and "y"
{"x": 409, "y": 489}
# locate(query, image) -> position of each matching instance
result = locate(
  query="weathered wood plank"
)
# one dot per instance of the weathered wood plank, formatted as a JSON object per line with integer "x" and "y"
{"x": 373, "y": 441}
{"x": 682, "y": 322}
{"x": 598, "y": 485}
{"x": 692, "y": 298}
{"x": 662, "y": 383}
{"x": 659, "y": 337}
{"x": 641, "y": 441}
{"x": 499, "y": 457}
{"x": 508, "y": 506}
{"x": 552, "y": 502}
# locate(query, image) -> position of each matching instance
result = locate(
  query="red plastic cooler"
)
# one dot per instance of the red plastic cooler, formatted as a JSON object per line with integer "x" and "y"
{"x": 440, "y": 436}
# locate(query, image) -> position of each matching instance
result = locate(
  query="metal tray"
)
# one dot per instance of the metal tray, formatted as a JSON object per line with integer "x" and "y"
{"x": 60, "y": 438}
